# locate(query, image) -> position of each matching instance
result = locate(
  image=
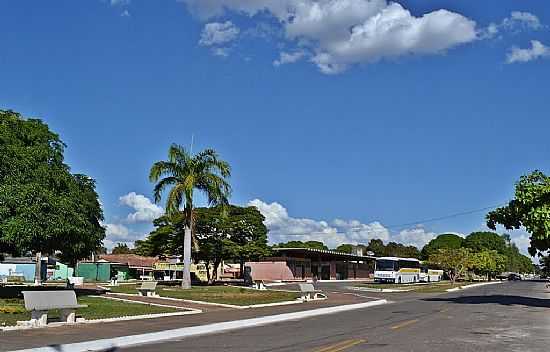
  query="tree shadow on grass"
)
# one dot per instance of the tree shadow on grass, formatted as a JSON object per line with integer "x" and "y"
{"x": 495, "y": 299}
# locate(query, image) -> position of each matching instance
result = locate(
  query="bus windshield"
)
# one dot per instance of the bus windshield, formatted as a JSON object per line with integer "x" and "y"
{"x": 385, "y": 265}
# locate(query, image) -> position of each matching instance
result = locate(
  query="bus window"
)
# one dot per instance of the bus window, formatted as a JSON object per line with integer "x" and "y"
{"x": 385, "y": 265}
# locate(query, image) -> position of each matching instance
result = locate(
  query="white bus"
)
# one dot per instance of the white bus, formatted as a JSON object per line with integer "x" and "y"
{"x": 397, "y": 270}
{"x": 430, "y": 275}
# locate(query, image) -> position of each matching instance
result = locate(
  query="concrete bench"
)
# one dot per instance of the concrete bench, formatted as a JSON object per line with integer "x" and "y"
{"x": 310, "y": 293}
{"x": 148, "y": 289}
{"x": 259, "y": 285}
{"x": 40, "y": 302}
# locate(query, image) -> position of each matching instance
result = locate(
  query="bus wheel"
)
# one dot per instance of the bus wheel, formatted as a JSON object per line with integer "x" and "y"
{"x": 399, "y": 280}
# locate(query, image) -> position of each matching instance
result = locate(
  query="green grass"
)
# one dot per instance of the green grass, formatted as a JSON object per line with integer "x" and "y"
{"x": 219, "y": 294}
{"x": 435, "y": 287}
{"x": 12, "y": 310}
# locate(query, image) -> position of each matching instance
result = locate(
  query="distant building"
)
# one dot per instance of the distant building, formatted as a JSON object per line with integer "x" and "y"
{"x": 24, "y": 268}
{"x": 298, "y": 264}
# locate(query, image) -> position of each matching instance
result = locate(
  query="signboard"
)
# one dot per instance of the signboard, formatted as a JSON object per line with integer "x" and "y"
{"x": 168, "y": 266}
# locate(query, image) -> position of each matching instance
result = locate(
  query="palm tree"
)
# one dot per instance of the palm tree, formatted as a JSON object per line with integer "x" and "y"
{"x": 184, "y": 173}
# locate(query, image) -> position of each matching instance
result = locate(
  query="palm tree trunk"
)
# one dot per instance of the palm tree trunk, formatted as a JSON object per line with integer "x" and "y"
{"x": 186, "y": 282}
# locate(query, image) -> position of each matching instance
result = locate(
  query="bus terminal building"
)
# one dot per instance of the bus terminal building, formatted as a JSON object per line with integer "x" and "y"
{"x": 298, "y": 264}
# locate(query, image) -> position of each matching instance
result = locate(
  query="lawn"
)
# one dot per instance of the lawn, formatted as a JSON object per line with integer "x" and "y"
{"x": 12, "y": 310}
{"x": 219, "y": 294}
{"x": 421, "y": 288}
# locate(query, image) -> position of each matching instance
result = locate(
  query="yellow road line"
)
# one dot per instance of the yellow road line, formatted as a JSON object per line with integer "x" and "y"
{"x": 342, "y": 345}
{"x": 403, "y": 324}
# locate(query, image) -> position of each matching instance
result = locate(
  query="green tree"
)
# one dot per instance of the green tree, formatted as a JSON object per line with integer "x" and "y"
{"x": 300, "y": 244}
{"x": 345, "y": 248}
{"x": 121, "y": 248}
{"x": 231, "y": 231}
{"x": 377, "y": 247}
{"x": 43, "y": 206}
{"x": 456, "y": 262}
{"x": 545, "y": 266}
{"x": 443, "y": 241}
{"x": 394, "y": 249}
{"x": 184, "y": 173}
{"x": 479, "y": 241}
{"x": 530, "y": 209}
{"x": 488, "y": 262}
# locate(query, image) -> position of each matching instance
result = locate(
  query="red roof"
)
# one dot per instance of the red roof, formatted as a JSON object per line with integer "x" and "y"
{"x": 130, "y": 259}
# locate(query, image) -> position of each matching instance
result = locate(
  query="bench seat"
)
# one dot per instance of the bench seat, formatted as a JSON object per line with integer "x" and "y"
{"x": 310, "y": 293}
{"x": 40, "y": 302}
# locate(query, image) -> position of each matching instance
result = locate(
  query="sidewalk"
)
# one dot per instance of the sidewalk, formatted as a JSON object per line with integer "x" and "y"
{"x": 32, "y": 338}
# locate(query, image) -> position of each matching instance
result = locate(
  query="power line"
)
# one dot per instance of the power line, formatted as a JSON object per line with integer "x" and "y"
{"x": 445, "y": 217}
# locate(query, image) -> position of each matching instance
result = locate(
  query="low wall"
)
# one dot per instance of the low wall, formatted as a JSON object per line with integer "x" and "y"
{"x": 270, "y": 271}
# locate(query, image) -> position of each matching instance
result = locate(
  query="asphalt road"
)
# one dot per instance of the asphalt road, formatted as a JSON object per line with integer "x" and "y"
{"x": 513, "y": 316}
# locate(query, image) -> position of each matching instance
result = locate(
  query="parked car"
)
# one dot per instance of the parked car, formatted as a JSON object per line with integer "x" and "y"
{"x": 514, "y": 277}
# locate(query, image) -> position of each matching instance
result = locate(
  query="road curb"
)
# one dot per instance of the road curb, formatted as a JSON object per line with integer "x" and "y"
{"x": 154, "y": 337}
{"x": 472, "y": 286}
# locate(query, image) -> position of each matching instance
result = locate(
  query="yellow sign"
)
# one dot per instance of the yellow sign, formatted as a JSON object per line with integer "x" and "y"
{"x": 168, "y": 266}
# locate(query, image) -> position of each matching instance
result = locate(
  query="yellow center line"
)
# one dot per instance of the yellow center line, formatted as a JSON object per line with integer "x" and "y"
{"x": 403, "y": 324}
{"x": 342, "y": 345}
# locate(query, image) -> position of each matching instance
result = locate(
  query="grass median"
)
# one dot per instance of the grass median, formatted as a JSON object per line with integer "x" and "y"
{"x": 13, "y": 310}
{"x": 218, "y": 294}
{"x": 435, "y": 287}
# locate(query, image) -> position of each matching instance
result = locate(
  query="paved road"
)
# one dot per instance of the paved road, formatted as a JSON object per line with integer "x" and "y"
{"x": 513, "y": 316}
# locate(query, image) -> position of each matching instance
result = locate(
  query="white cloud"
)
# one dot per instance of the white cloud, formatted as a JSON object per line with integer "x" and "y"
{"x": 119, "y": 2}
{"x": 116, "y": 232}
{"x": 125, "y": 13}
{"x": 288, "y": 58}
{"x": 342, "y": 33}
{"x": 284, "y": 228}
{"x": 145, "y": 210}
{"x": 536, "y": 51}
{"x": 217, "y": 33}
{"x": 516, "y": 22}
{"x": 525, "y": 19}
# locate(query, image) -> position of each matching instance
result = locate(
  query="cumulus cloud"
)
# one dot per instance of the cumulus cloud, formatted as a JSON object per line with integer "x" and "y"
{"x": 517, "y": 21}
{"x": 218, "y": 33}
{"x": 342, "y": 33}
{"x": 284, "y": 228}
{"x": 117, "y": 232}
{"x": 145, "y": 210}
{"x": 288, "y": 58}
{"x": 536, "y": 51}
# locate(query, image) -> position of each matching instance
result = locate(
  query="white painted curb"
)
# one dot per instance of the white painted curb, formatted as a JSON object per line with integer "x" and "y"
{"x": 135, "y": 340}
{"x": 473, "y": 285}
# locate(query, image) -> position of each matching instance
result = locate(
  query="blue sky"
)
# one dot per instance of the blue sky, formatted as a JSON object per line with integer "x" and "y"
{"x": 340, "y": 117}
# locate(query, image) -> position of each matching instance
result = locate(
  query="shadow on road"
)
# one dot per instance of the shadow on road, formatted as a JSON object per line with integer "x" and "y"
{"x": 495, "y": 299}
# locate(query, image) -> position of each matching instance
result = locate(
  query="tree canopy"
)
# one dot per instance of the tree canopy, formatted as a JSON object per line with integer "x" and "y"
{"x": 121, "y": 248}
{"x": 43, "y": 206}
{"x": 221, "y": 233}
{"x": 479, "y": 241}
{"x": 529, "y": 209}
{"x": 443, "y": 241}
{"x": 455, "y": 261}
{"x": 300, "y": 244}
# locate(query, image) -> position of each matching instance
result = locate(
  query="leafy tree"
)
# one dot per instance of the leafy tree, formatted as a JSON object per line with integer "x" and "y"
{"x": 456, "y": 262}
{"x": 300, "y": 244}
{"x": 394, "y": 249}
{"x": 231, "y": 231}
{"x": 345, "y": 248}
{"x": 479, "y": 241}
{"x": 443, "y": 241}
{"x": 43, "y": 206}
{"x": 121, "y": 248}
{"x": 488, "y": 262}
{"x": 529, "y": 209}
{"x": 165, "y": 239}
{"x": 377, "y": 247}
{"x": 515, "y": 261}
{"x": 184, "y": 173}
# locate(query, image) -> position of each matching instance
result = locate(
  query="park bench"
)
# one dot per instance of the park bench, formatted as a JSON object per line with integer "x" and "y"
{"x": 148, "y": 288}
{"x": 40, "y": 302}
{"x": 310, "y": 293}
{"x": 259, "y": 285}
